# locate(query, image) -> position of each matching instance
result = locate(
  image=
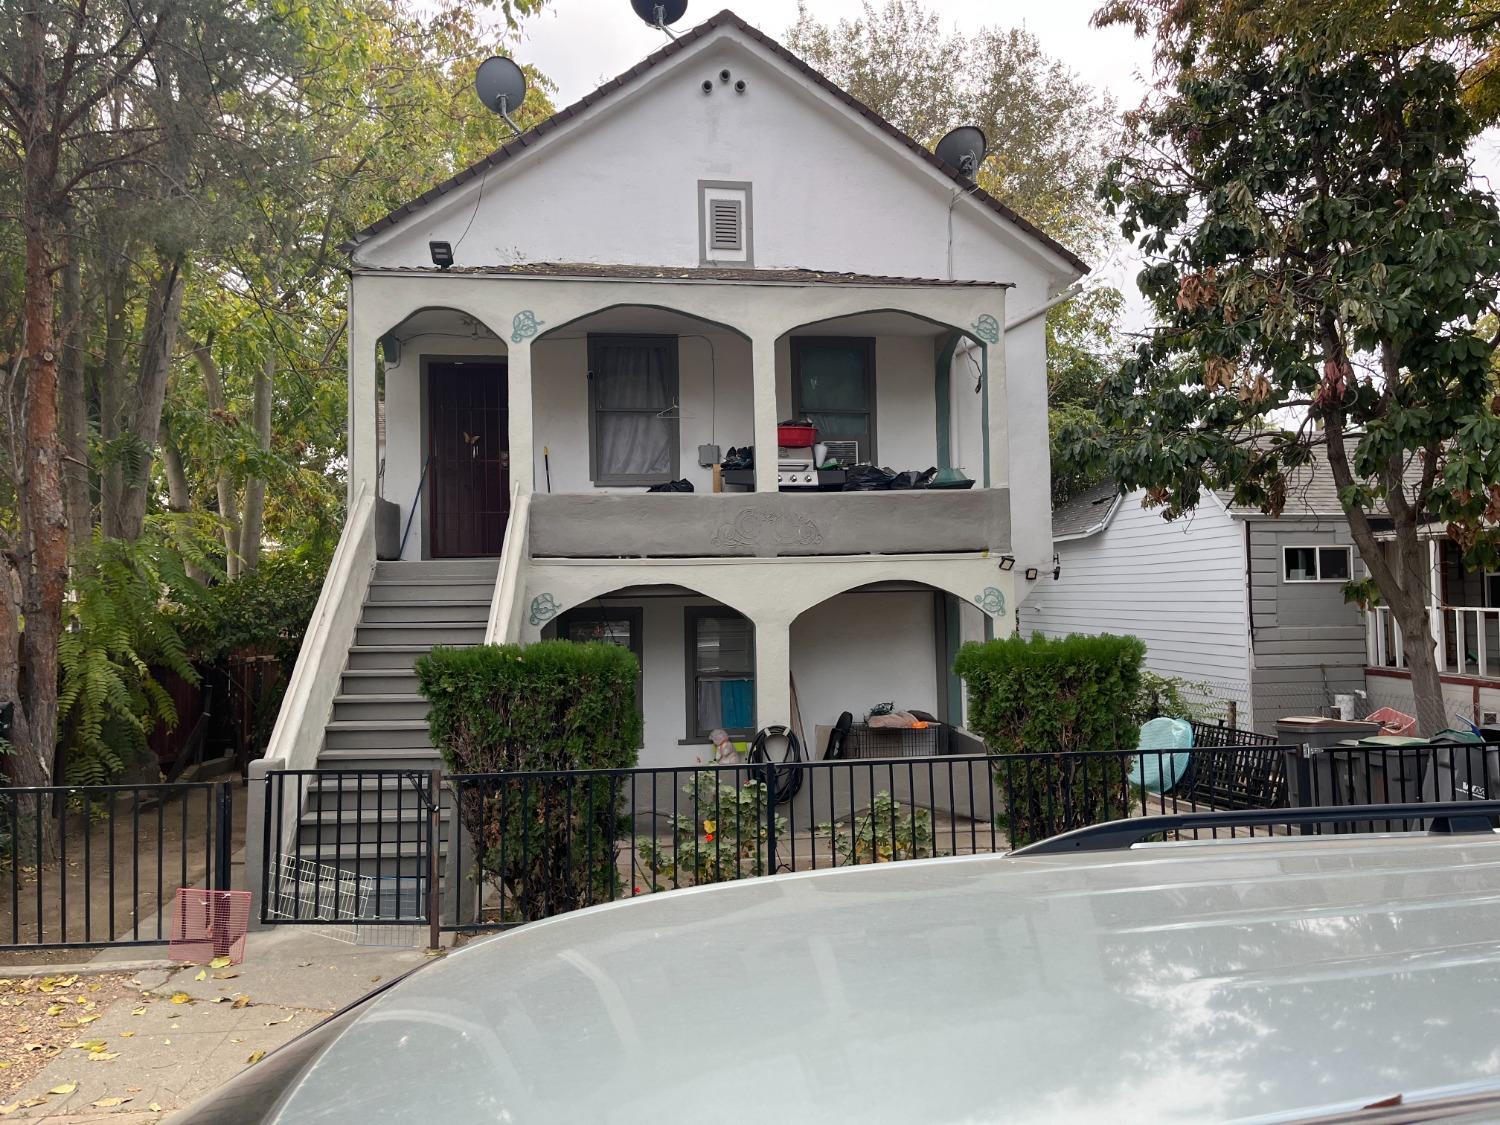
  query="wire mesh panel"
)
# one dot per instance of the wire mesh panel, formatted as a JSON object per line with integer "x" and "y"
{"x": 209, "y": 924}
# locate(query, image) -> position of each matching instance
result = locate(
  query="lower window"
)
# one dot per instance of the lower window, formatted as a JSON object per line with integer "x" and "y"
{"x": 1317, "y": 564}
{"x": 720, "y": 672}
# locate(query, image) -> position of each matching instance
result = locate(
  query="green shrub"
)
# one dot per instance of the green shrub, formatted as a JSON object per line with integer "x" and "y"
{"x": 886, "y": 832}
{"x": 724, "y": 840}
{"x": 1077, "y": 698}
{"x": 549, "y": 844}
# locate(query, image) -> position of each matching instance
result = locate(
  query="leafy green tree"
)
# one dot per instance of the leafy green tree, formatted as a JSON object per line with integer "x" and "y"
{"x": 1319, "y": 258}
{"x": 1048, "y": 132}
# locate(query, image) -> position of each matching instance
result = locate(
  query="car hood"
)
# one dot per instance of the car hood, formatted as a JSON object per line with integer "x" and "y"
{"x": 1218, "y": 982}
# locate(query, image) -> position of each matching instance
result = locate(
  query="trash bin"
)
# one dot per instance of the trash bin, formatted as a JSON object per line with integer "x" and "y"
{"x": 1309, "y": 770}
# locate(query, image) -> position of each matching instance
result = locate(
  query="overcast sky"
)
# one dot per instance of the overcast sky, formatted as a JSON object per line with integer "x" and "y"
{"x": 581, "y": 43}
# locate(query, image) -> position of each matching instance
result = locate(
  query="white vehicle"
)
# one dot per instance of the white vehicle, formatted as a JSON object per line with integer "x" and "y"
{"x": 1280, "y": 978}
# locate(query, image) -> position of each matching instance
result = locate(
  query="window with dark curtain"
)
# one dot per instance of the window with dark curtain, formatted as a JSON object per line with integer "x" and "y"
{"x": 833, "y": 385}
{"x": 633, "y": 409}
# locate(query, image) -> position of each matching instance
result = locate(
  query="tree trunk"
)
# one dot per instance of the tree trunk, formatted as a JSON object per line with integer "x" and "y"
{"x": 179, "y": 492}
{"x": 255, "y": 487}
{"x": 125, "y": 511}
{"x": 43, "y": 576}
{"x": 213, "y": 390}
{"x": 112, "y": 377}
{"x": 73, "y": 403}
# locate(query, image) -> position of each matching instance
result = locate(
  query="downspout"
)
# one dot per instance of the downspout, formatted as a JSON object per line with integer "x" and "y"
{"x": 1046, "y": 306}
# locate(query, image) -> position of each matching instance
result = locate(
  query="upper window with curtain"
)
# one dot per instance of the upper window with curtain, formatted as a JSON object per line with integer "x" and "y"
{"x": 632, "y": 409}
{"x": 833, "y": 385}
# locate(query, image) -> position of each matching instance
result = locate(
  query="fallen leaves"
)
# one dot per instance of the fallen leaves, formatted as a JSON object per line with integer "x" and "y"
{"x": 220, "y": 963}
{"x": 202, "y": 975}
{"x": 181, "y": 998}
{"x": 42, "y": 1017}
{"x": 109, "y": 1102}
{"x": 64, "y": 1088}
{"x": 256, "y": 1056}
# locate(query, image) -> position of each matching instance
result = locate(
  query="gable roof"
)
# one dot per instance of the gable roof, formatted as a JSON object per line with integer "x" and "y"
{"x": 726, "y": 18}
{"x": 1086, "y": 514}
{"x": 604, "y": 270}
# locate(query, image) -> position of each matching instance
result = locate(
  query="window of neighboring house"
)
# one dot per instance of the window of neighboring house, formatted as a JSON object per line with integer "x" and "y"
{"x": 1492, "y": 589}
{"x": 633, "y": 409}
{"x": 1317, "y": 564}
{"x": 833, "y": 384}
{"x": 720, "y": 672}
{"x": 616, "y": 625}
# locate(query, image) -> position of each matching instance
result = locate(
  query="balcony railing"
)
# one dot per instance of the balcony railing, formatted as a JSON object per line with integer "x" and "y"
{"x": 1467, "y": 640}
{"x": 709, "y": 525}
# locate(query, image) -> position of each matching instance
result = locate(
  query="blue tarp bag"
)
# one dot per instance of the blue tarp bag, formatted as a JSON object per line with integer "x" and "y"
{"x": 1159, "y": 772}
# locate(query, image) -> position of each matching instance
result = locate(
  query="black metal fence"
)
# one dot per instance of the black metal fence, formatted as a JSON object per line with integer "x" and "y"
{"x": 486, "y": 851}
{"x": 88, "y": 865}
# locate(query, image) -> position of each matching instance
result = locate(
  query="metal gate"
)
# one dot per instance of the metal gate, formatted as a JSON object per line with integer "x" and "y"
{"x": 353, "y": 851}
{"x": 91, "y": 865}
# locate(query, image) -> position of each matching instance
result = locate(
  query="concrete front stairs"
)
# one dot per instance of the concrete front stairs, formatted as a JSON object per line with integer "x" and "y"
{"x": 374, "y": 826}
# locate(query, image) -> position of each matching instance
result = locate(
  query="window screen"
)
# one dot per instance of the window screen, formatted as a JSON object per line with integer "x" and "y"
{"x": 633, "y": 400}
{"x": 721, "y": 672}
{"x": 833, "y": 385}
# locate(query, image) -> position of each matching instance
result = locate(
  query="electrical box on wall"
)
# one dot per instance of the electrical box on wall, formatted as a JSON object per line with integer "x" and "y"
{"x": 708, "y": 455}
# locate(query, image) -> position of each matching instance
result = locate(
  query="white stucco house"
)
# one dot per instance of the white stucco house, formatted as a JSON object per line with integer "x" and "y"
{"x": 715, "y": 241}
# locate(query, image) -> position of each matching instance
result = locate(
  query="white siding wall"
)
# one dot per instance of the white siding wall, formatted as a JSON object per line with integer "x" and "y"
{"x": 1178, "y": 586}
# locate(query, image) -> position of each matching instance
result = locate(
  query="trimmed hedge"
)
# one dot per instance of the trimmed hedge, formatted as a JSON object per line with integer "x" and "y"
{"x": 1073, "y": 697}
{"x": 550, "y": 844}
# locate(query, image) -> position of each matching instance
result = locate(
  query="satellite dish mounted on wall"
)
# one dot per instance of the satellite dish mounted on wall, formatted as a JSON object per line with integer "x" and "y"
{"x": 660, "y": 13}
{"x": 963, "y": 148}
{"x": 501, "y": 86}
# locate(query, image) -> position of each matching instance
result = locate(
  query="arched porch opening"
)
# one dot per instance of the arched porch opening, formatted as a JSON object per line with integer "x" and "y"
{"x": 697, "y": 657}
{"x": 442, "y": 434}
{"x": 882, "y": 646}
{"x": 633, "y": 396}
{"x": 889, "y": 388}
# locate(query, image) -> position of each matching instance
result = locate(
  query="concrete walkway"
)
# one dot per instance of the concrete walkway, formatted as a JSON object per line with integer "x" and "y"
{"x": 168, "y": 1054}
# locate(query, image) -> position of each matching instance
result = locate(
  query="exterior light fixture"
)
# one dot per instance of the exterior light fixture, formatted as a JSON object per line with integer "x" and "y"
{"x": 1031, "y": 573}
{"x": 1056, "y": 567}
{"x": 1007, "y": 562}
{"x": 442, "y": 253}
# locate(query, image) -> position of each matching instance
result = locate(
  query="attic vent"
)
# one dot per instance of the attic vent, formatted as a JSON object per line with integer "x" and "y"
{"x": 726, "y": 224}
{"x": 726, "y": 230}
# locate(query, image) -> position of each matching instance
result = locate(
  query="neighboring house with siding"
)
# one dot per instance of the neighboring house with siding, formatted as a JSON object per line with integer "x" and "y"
{"x": 1248, "y": 606}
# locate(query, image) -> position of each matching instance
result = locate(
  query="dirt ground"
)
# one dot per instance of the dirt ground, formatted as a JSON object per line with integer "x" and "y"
{"x": 73, "y": 899}
{"x": 41, "y": 1017}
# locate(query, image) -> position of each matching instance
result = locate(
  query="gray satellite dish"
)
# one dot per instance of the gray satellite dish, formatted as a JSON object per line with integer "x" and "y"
{"x": 963, "y": 148}
{"x": 660, "y": 13}
{"x": 501, "y": 86}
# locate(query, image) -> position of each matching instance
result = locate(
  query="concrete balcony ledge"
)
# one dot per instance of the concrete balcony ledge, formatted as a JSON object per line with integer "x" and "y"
{"x": 768, "y": 524}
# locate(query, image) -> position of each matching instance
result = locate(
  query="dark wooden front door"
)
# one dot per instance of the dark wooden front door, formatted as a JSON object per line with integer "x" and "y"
{"x": 469, "y": 479}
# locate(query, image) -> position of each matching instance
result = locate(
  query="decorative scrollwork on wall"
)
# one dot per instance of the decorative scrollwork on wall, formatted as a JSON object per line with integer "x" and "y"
{"x": 991, "y": 600}
{"x": 544, "y": 608}
{"x": 524, "y": 326}
{"x": 987, "y": 328}
{"x": 758, "y": 527}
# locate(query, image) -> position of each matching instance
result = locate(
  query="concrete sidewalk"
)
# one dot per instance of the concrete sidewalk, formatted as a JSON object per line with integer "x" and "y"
{"x": 168, "y": 1054}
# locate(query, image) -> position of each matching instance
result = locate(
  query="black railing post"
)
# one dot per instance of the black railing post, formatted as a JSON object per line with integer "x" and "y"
{"x": 770, "y": 783}
{"x": 1302, "y": 763}
{"x": 224, "y": 836}
{"x": 434, "y": 832}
